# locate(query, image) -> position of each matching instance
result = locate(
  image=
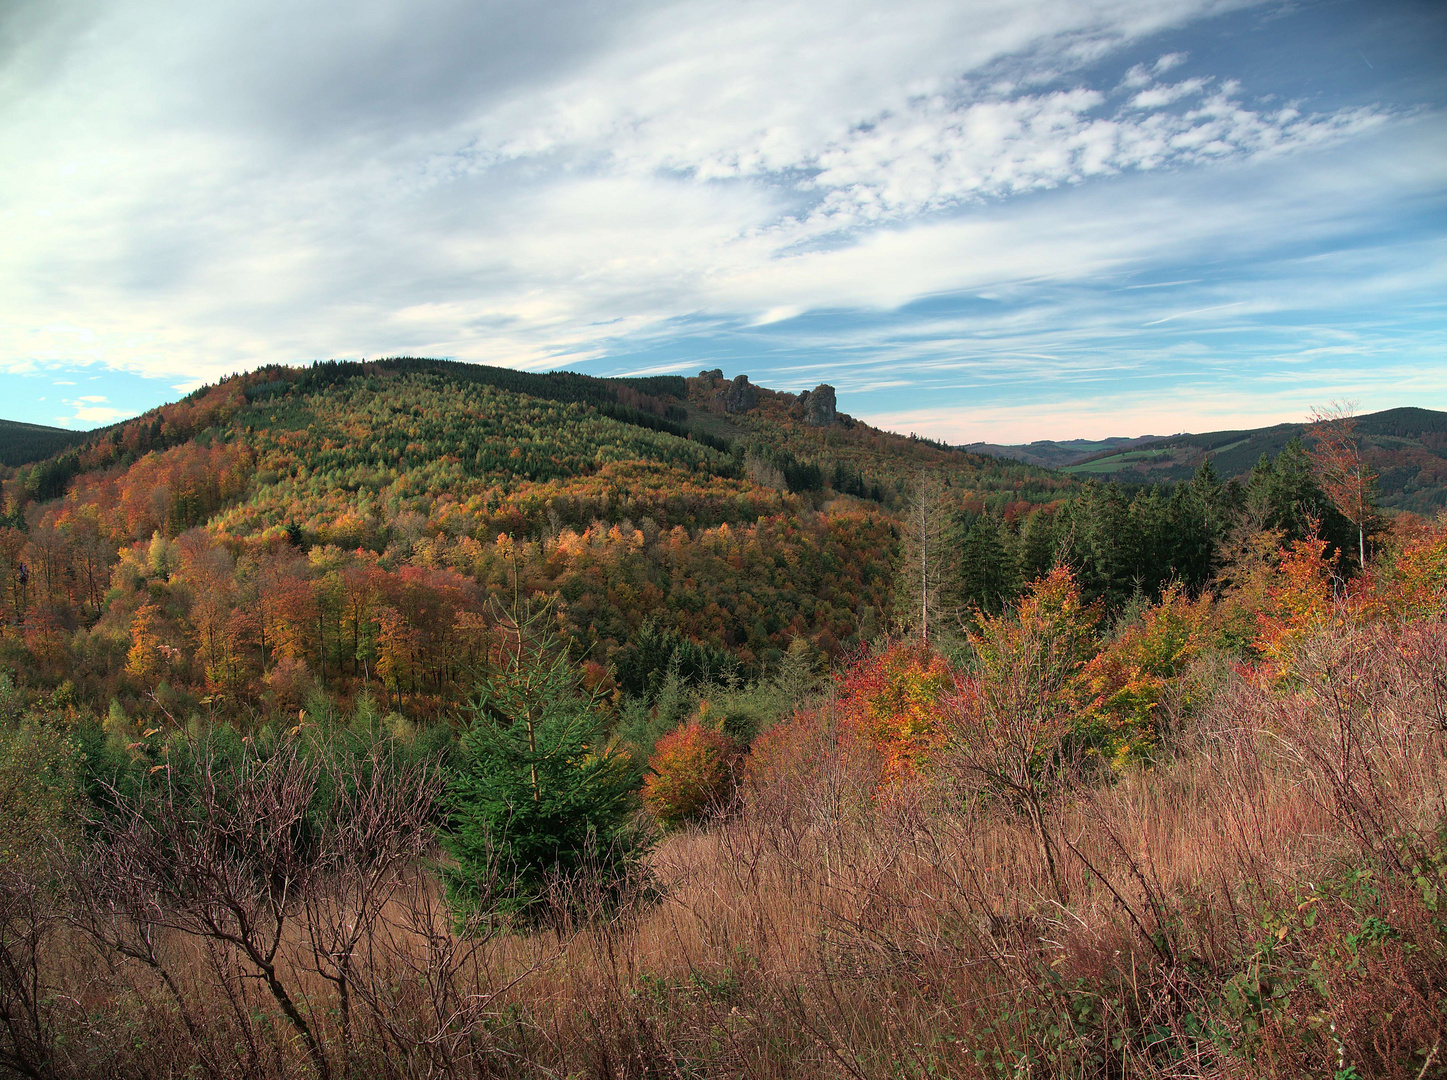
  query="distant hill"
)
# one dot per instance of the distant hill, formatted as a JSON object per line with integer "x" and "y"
{"x": 1051, "y": 454}
{"x": 1407, "y": 446}
{"x": 20, "y": 444}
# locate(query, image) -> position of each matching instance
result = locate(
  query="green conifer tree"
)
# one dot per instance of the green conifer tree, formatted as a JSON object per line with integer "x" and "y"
{"x": 1198, "y": 516}
{"x": 1149, "y": 542}
{"x": 1282, "y": 493}
{"x": 989, "y": 573}
{"x": 540, "y": 810}
{"x": 1037, "y": 545}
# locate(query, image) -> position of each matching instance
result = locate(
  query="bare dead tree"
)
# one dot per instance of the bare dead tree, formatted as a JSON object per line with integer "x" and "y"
{"x": 925, "y": 570}
{"x": 26, "y": 921}
{"x": 369, "y": 852}
{"x": 378, "y": 829}
{"x": 1341, "y": 466}
{"x": 236, "y": 857}
{"x": 226, "y": 860}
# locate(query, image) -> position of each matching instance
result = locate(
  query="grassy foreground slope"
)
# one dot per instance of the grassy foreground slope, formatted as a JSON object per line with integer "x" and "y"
{"x": 1205, "y": 840}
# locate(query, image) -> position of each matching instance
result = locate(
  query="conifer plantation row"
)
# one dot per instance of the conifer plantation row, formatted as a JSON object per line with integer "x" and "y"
{"x": 411, "y": 719}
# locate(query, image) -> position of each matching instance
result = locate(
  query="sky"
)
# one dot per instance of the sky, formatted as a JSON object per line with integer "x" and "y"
{"x": 980, "y": 220}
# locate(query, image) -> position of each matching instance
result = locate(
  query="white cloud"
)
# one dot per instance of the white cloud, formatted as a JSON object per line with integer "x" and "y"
{"x": 289, "y": 181}
{"x": 1169, "y": 61}
{"x": 1157, "y": 97}
{"x": 1137, "y": 76}
{"x": 942, "y": 152}
{"x": 91, "y": 412}
{"x": 78, "y": 331}
{"x": 778, "y": 314}
{"x": 275, "y": 180}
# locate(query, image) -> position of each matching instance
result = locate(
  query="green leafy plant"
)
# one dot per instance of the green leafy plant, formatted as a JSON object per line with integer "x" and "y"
{"x": 540, "y": 810}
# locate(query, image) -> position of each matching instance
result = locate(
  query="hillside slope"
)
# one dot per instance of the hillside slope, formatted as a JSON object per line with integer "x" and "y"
{"x": 347, "y": 523}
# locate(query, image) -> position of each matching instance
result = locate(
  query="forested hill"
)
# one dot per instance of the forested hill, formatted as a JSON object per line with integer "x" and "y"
{"x": 344, "y": 524}
{"x": 20, "y": 444}
{"x": 1407, "y": 447}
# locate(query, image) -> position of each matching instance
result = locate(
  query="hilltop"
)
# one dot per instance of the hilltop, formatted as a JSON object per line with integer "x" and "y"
{"x": 327, "y": 529}
{"x": 1407, "y": 446}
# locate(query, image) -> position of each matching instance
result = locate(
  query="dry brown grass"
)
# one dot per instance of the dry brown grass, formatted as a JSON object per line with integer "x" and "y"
{"x": 1262, "y": 905}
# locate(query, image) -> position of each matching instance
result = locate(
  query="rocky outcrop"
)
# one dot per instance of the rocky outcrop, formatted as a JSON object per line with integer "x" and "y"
{"x": 816, "y": 407}
{"x": 740, "y": 396}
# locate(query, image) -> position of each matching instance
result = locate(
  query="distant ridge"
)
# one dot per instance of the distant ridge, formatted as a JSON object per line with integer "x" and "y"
{"x": 1407, "y": 446}
{"x": 1057, "y": 454}
{"x": 21, "y": 443}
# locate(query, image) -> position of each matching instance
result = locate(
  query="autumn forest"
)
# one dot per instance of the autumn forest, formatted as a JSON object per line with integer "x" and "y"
{"x": 414, "y": 718}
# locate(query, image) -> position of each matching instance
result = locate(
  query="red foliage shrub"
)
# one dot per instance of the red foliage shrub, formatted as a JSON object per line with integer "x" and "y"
{"x": 807, "y": 758}
{"x": 892, "y": 700}
{"x": 290, "y": 681}
{"x": 692, "y": 769}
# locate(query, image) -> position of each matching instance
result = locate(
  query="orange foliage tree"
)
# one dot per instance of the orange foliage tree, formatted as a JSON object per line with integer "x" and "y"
{"x": 693, "y": 769}
{"x": 893, "y": 700}
{"x": 1412, "y": 583}
{"x": 1010, "y": 721}
{"x": 1122, "y": 689}
{"x": 1298, "y": 602}
{"x": 151, "y": 654}
{"x": 1342, "y": 468}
